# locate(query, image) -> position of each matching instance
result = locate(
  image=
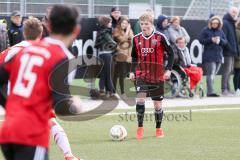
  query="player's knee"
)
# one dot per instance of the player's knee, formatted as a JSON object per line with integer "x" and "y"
{"x": 158, "y": 105}
{"x": 140, "y": 101}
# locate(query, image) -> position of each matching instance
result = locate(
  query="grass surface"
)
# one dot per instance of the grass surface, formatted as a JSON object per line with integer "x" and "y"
{"x": 210, "y": 136}
{"x": 204, "y": 136}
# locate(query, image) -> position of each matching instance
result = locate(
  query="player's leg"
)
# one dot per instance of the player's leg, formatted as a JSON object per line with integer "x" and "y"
{"x": 61, "y": 139}
{"x": 156, "y": 94}
{"x": 140, "y": 109}
{"x": 158, "y": 117}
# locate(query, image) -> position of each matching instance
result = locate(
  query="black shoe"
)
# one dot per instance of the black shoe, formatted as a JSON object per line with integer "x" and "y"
{"x": 213, "y": 95}
{"x": 94, "y": 94}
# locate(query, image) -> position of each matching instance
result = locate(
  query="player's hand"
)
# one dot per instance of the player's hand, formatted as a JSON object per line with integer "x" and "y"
{"x": 132, "y": 76}
{"x": 167, "y": 74}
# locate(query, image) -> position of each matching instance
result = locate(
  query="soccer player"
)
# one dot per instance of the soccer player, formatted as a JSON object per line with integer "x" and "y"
{"x": 148, "y": 55}
{"x": 36, "y": 84}
{"x": 32, "y": 31}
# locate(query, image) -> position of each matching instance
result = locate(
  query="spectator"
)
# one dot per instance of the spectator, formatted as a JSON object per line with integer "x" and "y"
{"x": 176, "y": 30}
{"x": 236, "y": 78}
{"x": 115, "y": 15}
{"x": 45, "y": 24}
{"x": 15, "y": 32}
{"x": 185, "y": 55}
{"x": 4, "y": 41}
{"x": 104, "y": 37}
{"x": 231, "y": 50}
{"x": 123, "y": 35}
{"x": 193, "y": 72}
{"x": 163, "y": 25}
{"x": 137, "y": 28}
{"x": 213, "y": 39}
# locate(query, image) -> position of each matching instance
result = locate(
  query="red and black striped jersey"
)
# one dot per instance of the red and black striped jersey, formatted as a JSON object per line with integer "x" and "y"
{"x": 148, "y": 56}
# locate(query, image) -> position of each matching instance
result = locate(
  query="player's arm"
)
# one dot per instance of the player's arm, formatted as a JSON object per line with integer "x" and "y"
{"x": 169, "y": 50}
{"x": 63, "y": 102}
{"x": 170, "y": 57}
{"x": 134, "y": 62}
{"x": 4, "y": 74}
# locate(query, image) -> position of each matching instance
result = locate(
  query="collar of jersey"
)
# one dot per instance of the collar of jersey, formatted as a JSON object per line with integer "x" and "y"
{"x": 150, "y": 34}
{"x": 61, "y": 44}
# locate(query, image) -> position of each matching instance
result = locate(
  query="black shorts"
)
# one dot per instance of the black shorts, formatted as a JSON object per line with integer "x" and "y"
{"x": 24, "y": 152}
{"x": 153, "y": 90}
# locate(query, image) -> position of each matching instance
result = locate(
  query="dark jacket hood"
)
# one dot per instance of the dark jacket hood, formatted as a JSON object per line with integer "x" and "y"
{"x": 160, "y": 19}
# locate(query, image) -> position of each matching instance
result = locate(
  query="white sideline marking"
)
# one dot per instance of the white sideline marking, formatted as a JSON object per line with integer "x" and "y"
{"x": 172, "y": 111}
{"x": 181, "y": 111}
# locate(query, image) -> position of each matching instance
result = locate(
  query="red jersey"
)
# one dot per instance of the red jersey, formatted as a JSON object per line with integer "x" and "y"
{"x": 148, "y": 53}
{"x": 30, "y": 102}
{"x": 10, "y": 52}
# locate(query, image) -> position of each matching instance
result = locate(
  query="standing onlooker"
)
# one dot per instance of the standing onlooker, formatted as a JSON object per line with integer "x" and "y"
{"x": 123, "y": 35}
{"x": 4, "y": 41}
{"x": 236, "y": 78}
{"x": 15, "y": 32}
{"x": 213, "y": 39}
{"x": 104, "y": 36}
{"x": 115, "y": 15}
{"x": 176, "y": 30}
{"x": 163, "y": 25}
{"x": 231, "y": 50}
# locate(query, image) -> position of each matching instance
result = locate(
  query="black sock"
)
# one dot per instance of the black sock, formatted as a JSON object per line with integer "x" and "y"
{"x": 140, "y": 108}
{"x": 158, "y": 117}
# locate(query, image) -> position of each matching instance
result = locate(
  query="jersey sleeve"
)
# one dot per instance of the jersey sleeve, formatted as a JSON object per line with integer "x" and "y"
{"x": 169, "y": 51}
{"x": 134, "y": 57}
{"x": 4, "y": 73}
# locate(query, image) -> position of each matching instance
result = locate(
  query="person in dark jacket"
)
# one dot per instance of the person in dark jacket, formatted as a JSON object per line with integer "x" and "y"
{"x": 115, "y": 15}
{"x": 162, "y": 25}
{"x": 231, "y": 50}
{"x": 15, "y": 32}
{"x": 213, "y": 39}
{"x": 236, "y": 78}
{"x": 106, "y": 46}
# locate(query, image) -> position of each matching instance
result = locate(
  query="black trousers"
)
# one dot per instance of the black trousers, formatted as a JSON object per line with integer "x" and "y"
{"x": 105, "y": 81}
{"x": 121, "y": 70}
{"x": 236, "y": 79}
{"x": 23, "y": 152}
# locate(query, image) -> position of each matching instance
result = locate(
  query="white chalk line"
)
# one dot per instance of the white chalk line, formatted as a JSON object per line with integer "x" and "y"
{"x": 170, "y": 111}
{"x": 181, "y": 111}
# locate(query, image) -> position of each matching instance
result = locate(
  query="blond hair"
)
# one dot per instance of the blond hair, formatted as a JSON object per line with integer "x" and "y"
{"x": 32, "y": 28}
{"x": 146, "y": 17}
{"x": 173, "y": 19}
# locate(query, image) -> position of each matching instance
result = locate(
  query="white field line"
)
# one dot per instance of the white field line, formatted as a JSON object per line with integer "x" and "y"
{"x": 181, "y": 111}
{"x": 174, "y": 111}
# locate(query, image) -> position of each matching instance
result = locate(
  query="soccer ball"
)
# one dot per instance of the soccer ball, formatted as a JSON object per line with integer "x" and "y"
{"x": 118, "y": 133}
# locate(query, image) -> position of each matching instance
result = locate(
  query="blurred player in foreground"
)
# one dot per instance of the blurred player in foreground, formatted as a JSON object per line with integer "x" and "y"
{"x": 35, "y": 87}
